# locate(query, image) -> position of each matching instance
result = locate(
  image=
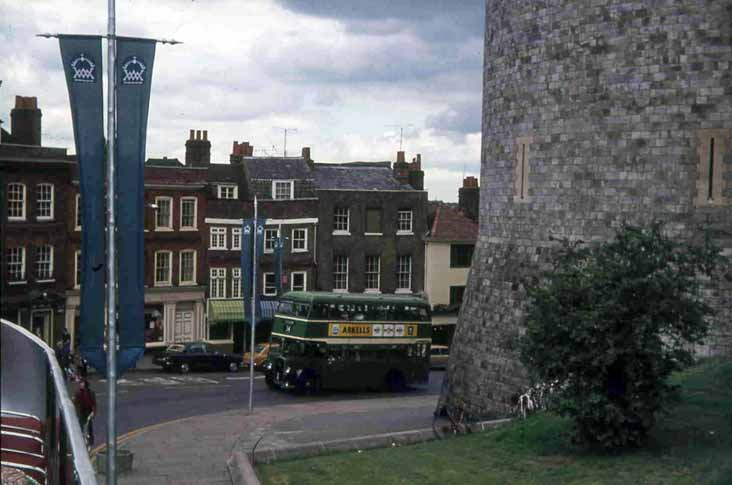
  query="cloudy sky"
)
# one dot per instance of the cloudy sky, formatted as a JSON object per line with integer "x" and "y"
{"x": 343, "y": 73}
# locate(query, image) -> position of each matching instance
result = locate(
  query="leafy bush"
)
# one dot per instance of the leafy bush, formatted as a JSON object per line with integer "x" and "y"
{"x": 611, "y": 323}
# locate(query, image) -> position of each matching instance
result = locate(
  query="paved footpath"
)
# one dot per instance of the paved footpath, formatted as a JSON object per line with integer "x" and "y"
{"x": 195, "y": 450}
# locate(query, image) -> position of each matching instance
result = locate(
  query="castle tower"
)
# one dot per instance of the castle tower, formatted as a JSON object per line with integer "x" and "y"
{"x": 594, "y": 113}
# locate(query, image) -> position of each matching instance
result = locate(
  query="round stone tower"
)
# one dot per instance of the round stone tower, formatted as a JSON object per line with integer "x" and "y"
{"x": 594, "y": 113}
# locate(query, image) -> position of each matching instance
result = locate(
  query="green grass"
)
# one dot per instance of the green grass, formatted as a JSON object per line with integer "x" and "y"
{"x": 692, "y": 444}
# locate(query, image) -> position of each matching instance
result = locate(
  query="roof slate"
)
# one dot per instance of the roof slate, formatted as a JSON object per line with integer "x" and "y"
{"x": 451, "y": 225}
{"x": 272, "y": 168}
{"x": 355, "y": 177}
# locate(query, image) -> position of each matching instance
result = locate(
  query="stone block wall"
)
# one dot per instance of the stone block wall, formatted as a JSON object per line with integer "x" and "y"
{"x": 595, "y": 113}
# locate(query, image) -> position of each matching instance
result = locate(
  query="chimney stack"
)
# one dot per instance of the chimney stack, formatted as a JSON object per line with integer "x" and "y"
{"x": 25, "y": 121}
{"x": 198, "y": 149}
{"x": 416, "y": 175}
{"x": 469, "y": 198}
{"x": 239, "y": 151}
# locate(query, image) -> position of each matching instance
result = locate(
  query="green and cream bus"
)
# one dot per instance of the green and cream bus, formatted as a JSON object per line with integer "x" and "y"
{"x": 348, "y": 341}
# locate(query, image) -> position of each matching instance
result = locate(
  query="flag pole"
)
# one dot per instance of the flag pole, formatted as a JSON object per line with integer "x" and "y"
{"x": 254, "y": 311}
{"x": 111, "y": 253}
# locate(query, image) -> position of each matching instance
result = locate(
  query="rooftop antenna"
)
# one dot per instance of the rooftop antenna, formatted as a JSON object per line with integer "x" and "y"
{"x": 285, "y": 131}
{"x": 401, "y": 132}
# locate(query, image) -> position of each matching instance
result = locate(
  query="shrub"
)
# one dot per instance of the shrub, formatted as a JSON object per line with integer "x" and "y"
{"x": 611, "y": 323}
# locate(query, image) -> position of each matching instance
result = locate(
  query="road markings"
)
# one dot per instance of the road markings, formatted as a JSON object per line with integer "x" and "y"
{"x": 242, "y": 378}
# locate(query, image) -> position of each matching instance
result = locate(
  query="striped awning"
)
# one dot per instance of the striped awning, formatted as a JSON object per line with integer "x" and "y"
{"x": 232, "y": 311}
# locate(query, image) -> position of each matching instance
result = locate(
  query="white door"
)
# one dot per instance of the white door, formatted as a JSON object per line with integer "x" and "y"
{"x": 183, "y": 325}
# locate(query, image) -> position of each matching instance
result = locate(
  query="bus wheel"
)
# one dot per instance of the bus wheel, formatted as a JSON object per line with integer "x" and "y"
{"x": 394, "y": 381}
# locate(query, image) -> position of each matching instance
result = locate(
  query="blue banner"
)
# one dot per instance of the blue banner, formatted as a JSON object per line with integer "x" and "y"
{"x": 134, "y": 75}
{"x": 247, "y": 231}
{"x": 279, "y": 245}
{"x": 82, "y": 60}
{"x": 260, "y": 283}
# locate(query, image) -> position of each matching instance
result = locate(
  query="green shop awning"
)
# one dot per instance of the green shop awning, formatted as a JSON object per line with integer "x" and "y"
{"x": 226, "y": 311}
{"x": 222, "y": 311}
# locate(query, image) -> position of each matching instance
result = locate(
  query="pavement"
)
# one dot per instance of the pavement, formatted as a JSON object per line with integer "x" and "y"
{"x": 195, "y": 450}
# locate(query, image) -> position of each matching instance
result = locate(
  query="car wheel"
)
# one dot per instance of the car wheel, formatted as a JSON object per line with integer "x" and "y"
{"x": 185, "y": 369}
{"x": 233, "y": 367}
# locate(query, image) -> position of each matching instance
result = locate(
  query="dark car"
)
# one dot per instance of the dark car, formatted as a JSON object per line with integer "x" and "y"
{"x": 197, "y": 356}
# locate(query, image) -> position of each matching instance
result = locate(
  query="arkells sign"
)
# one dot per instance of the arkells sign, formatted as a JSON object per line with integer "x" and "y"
{"x": 372, "y": 330}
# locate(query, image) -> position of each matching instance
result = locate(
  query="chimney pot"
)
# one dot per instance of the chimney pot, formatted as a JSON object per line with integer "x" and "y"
{"x": 198, "y": 134}
{"x": 190, "y": 135}
{"x": 400, "y": 157}
{"x": 205, "y": 134}
{"x": 306, "y": 153}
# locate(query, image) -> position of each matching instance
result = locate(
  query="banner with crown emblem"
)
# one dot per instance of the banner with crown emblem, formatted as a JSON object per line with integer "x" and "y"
{"x": 82, "y": 60}
{"x": 248, "y": 232}
{"x": 134, "y": 75}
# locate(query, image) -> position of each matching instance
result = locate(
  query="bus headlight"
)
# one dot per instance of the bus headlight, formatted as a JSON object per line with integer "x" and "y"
{"x": 288, "y": 370}
{"x": 268, "y": 366}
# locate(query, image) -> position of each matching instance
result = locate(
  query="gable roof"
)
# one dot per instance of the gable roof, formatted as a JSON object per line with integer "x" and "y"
{"x": 356, "y": 177}
{"x": 273, "y": 168}
{"x": 451, "y": 225}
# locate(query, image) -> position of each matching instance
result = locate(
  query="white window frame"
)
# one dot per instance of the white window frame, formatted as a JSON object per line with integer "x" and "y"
{"x": 305, "y": 240}
{"x": 404, "y": 289}
{"x": 236, "y": 282}
{"x": 304, "y": 280}
{"x": 236, "y": 238}
{"x": 378, "y": 275}
{"x": 51, "y": 202}
{"x": 273, "y": 288}
{"x": 77, "y": 269}
{"x": 401, "y": 231}
{"x": 217, "y": 234}
{"x": 169, "y": 281}
{"x": 22, "y": 280}
{"x": 194, "y": 227}
{"x": 222, "y": 189}
{"x": 347, "y": 230}
{"x": 77, "y": 214}
{"x": 290, "y": 196}
{"x": 169, "y": 226}
{"x": 277, "y": 234}
{"x": 45, "y": 278}
{"x": 336, "y": 273}
{"x": 192, "y": 281}
{"x": 215, "y": 275}
{"x": 22, "y": 201}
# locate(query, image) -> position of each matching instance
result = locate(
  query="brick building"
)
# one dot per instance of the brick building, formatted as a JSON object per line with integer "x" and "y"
{"x": 371, "y": 223}
{"x": 34, "y": 200}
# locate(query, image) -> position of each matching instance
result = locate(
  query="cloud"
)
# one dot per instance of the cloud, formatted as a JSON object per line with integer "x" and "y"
{"x": 462, "y": 118}
{"x": 338, "y": 71}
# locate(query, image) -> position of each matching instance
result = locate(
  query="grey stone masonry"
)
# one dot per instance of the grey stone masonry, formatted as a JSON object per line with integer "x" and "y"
{"x": 595, "y": 113}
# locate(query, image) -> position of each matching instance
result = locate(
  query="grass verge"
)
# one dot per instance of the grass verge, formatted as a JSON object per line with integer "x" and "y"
{"x": 690, "y": 445}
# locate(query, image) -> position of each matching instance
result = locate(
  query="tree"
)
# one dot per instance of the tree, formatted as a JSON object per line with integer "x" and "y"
{"x": 611, "y": 323}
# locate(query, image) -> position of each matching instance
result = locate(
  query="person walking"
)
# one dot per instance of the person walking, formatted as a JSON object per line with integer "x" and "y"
{"x": 86, "y": 406}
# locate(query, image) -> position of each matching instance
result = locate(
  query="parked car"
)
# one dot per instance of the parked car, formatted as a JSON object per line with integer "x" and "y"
{"x": 438, "y": 356}
{"x": 261, "y": 352}
{"x": 197, "y": 356}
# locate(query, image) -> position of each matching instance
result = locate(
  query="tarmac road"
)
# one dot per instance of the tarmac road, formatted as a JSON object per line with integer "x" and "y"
{"x": 148, "y": 398}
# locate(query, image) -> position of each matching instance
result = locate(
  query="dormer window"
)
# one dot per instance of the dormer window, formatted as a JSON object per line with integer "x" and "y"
{"x": 283, "y": 189}
{"x": 228, "y": 192}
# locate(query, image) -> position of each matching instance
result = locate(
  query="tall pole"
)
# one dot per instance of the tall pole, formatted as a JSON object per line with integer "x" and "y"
{"x": 254, "y": 310}
{"x": 111, "y": 269}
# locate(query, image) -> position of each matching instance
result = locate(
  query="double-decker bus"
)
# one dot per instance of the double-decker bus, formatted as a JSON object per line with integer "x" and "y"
{"x": 347, "y": 341}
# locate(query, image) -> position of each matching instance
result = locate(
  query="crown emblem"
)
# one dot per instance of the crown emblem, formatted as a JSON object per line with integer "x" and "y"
{"x": 83, "y": 70}
{"x": 133, "y": 70}
{"x": 247, "y": 229}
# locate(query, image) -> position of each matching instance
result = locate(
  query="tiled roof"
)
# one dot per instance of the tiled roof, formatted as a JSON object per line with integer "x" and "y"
{"x": 164, "y": 162}
{"x": 271, "y": 168}
{"x": 224, "y": 172}
{"x": 355, "y": 177}
{"x": 451, "y": 225}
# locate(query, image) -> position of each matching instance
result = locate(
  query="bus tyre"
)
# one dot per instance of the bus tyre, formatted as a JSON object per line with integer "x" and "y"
{"x": 394, "y": 381}
{"x": 269, "y": 381}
